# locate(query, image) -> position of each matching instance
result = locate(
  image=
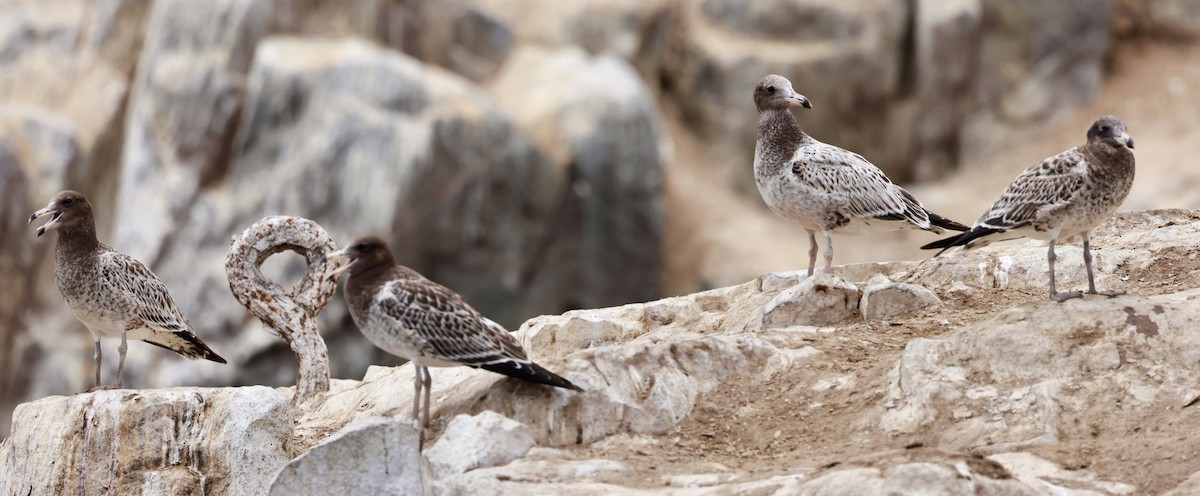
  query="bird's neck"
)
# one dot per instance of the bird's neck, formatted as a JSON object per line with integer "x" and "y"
{"x": 779, "y": 136}
{"x": 77, "y": 241}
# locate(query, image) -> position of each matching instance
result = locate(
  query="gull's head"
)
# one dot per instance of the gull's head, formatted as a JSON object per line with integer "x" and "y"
{"x": 362, "y": 254}
{"x": 66, "y": 209}
{"x": 775, "y": 92}
{"x": 1110, "y": 131}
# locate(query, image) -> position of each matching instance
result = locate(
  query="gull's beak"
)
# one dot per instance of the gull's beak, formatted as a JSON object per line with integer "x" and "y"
{"x": 1126, "y": 139}
{"x": 335, "y": 256}
{"x": 798, "y": 100}
{"x": 49, "y": 210}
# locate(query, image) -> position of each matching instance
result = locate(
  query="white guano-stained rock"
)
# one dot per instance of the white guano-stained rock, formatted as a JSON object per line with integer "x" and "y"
{"x": 477, "y": 441}
{"x": 890, "y": 300}
{"x": 159, "y": 441}
{"x": 372, "y": 455}
{"x": 818, "y": 300}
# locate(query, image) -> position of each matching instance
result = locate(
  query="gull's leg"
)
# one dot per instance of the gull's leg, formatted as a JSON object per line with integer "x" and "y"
{"x": 1087, "y": 261}
{"x": 828, "y": 251}
{"x": 1054, "y": 294}
{"x": 428, "y": 387}
{"x": 97, "y": 359}
{"x": 417, "y": 392}
{"x": 812, "y": 252}
{"x": 121, "y": 360}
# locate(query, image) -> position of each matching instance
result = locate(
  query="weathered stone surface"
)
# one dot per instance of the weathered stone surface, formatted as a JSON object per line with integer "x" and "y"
{"x": 372, "y": 455}
{"x": 183, "y": 113}
{"x": 1172, "y": 19}
{"x": 477, "y": 441}
{"x": 890, "y": 300}
{"x": 818, "y": 300}
{"x": 839, "y": 54}
{"x": 168, "y": 441}
{"x": 946, "y": 36}
{"x": 595, "y": 120}
{"x": 1035, "y": 60}
{"x": 1041, "y": 367}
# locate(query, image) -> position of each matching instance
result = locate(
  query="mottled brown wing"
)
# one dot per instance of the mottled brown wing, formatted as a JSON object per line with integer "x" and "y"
{"x": 451, "y": 329}
{"x": 868, "y": 191}
{"x": 1051, "y": 184}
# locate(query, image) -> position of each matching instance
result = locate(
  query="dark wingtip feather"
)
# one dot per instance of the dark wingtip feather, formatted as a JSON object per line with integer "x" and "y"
{"x": 192, "y": 348}
{"x": 531, "y": 372}
{"x": 945, "y": 223}
{"x": 960, "y": 239}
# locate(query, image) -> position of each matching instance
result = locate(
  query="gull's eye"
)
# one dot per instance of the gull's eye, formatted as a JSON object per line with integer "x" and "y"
{"x": 68, "y": 201}
{"x": 771, "y": 89}
{"x": 1104, "y": 129}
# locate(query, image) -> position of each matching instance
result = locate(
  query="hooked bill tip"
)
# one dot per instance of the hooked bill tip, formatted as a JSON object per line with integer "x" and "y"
{"x": 32, "y": 217}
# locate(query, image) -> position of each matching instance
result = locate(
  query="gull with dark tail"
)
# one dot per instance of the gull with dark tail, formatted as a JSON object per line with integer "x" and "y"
{"x": 1065, "y": 195}
{"x": 824, "y": 188}
{"x": 412, "y": 317}
{"x": 110, "y": 292}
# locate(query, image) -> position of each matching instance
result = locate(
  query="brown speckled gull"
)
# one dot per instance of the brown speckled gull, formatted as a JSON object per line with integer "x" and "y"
{"x": 822, "y": 187}
{"x": 1065, "y": 195}
{"x": 110, "y": 292}
{"x": 412, "y": 317}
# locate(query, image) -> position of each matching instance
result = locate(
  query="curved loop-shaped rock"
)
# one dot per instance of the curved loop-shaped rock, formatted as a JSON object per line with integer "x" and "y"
{"x": 290, "y": 315}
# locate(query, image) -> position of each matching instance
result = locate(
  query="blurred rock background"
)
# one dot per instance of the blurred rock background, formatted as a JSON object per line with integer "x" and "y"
{"x": 534, "y": 155}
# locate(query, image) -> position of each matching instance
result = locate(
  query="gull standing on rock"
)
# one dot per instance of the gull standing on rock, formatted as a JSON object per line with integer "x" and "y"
{"x": 412, "y": 317}
{"x": 1064, "y": 195}
{"x": 110, "y": 292}
{"x": 822, "y": 187}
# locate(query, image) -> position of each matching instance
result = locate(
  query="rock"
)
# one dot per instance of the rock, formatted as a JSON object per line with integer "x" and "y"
{"x": 946, "y": 44}
{"x": 1033, "y": 63}
{"x": 374, "y": 455}
{"x": 818, "y": 300}
{"x": 1042, "y": 367}
{"x": 891, "y": 300}
{"x": 1190, "y": 486}
{"x": 1171, "y": 19}
{"x": 168, "y": 441}
{"x": 841, "y": 55}
{"x": 633, "y": 30}
{"x": 596, "y": 121}
{"x": 479, "y": 441}
{"x": 183, "y": 114}
{"x": 777, "y": 281}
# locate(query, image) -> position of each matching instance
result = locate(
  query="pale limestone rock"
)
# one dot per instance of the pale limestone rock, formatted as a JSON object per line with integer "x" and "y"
{"x": 372, "y": 455}
{"x": 890, "y": 300}
{"x": 1038, "y": 366}
{"x": 166, "y": 441}
{"x": 818, "y": 300}
{"x": 477, "y": 441}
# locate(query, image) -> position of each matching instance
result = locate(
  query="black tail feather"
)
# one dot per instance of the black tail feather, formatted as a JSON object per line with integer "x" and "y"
{"x": 959, "y": 239}
{"x": 531, "y": 372}
{"x": 945, "y": 223}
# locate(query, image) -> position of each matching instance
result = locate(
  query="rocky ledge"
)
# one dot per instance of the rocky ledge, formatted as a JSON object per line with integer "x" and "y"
{"x": 951, "y": 375}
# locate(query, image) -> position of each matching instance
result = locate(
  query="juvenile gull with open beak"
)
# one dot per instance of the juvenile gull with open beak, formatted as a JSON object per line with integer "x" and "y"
{"x": 110, "y": 292}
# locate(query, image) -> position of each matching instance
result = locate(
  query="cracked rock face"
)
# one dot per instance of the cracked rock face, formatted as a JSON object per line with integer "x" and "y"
{"x": 167, "y": 441}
